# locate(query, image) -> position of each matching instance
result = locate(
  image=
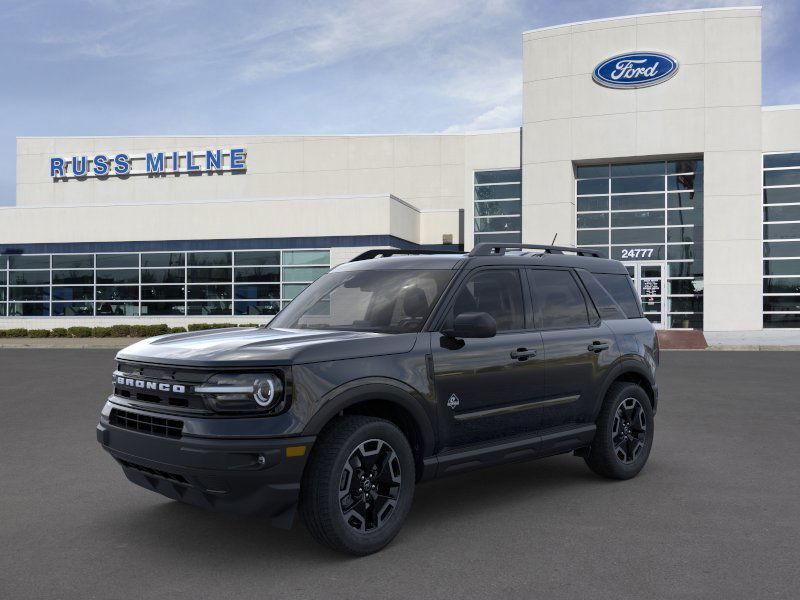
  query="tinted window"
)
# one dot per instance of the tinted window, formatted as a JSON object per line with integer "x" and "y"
{"x": 621, "y": 290}
{"x": 558, "y": 300}
{"x": 496, "y": 292}
{"x": 608, "y": 307}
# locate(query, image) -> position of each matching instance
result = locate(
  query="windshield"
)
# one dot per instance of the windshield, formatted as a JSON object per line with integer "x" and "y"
{"x": 396, "y": 301}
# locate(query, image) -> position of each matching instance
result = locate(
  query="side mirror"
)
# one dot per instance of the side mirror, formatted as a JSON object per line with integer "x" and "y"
{"x": 472, "y": 325}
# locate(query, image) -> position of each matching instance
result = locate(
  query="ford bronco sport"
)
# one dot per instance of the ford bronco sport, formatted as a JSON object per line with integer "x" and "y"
{"x": 394, "y": 368}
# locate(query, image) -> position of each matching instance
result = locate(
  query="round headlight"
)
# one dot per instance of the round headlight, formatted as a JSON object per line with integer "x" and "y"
{"x": 266, "y": 391}
{"x": 242, "y": 392}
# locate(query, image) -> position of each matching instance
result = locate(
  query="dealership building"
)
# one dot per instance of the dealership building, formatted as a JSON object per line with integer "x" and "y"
{"x": 643, "y": 137}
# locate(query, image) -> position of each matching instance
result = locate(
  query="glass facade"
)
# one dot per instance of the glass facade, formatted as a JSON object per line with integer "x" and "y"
{"x": 781, "y": 287}
{"x": 498, "y": 206}
{"x": 649, "y": 212}
{"x": 208, "y": 283}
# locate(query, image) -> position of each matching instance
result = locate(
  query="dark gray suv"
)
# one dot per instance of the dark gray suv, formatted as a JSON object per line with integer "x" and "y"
{"x": 397, "y": 367}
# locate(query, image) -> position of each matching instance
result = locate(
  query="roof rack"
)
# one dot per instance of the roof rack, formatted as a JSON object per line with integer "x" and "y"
{"x": 487, "y": 249}
{"x": 384, "y": 252}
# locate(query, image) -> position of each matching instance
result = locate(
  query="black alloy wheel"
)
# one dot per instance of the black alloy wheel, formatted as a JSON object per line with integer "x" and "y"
{"x": 629, "y": 433}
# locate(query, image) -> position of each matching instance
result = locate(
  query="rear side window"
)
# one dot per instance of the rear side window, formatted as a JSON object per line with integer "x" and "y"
{"x": 557, "y": 299}
{"x": 608, "y": 307}
{"x": 620, "y": 287}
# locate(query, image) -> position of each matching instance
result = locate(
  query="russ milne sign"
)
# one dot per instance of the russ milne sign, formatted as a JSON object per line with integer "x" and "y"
{"x": 635, "y": 70}
{"x": 151, "y": 163}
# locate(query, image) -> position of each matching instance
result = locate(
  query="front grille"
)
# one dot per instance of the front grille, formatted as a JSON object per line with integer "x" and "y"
{"x": 143, "y": 374}
{"x": 170, "y": 428}
{"x": 157, "y": 472}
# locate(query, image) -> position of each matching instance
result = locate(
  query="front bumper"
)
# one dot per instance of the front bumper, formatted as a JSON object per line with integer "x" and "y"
{"x": 254, "y": 476}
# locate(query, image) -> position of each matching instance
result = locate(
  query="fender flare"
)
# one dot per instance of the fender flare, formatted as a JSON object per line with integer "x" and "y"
{"x": 375, "y": 388}
{"x": 625, "y": 364}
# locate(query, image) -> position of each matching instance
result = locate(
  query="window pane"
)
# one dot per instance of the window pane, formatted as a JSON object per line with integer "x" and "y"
{"x": 256, "y": 308}
{"x": 496, "y": 292}
{"x": 118, "y": 276}
{"x": 782, "y": 213}
{"x": 499, "y": 224}
{"x": 788, "y": 177}
{"x": 73, "y": 309}
{"x": 782, "y": 231}
{"x": 73, "y": 261}
{"x": 558, "y": 300}
{"x": 791, "y": 159}
{"x": 638, "y": 252}
{"x": 694, "y": 321}
{"x": 637, "y": 184}
{"x": 684, "y": 182}
{"x": 782, "y": 267}
{"x": 694, "y": 304}
{"x": 117, "y": 292}
{"x": 591, "y": 237}
{"x": 782, "y": 195}
{"x": 773, "y": 321}
{"x": 637, "y": 202}
{"x": 29, "y": 277}
{"x": 637, "y": 219}
{"x": 258, "y": 258}
{"x": 3, "y": 262}
{"x": 637, "y": 236}
{"x": 28, "y": 309}
{"x": 598, "y": 203}
{"x": 775, "y": 249}
{"x": 254, "y": 292}
{"x": 163, "y": 259}
{"x": 209, "y": 292}
{"x": 117, "y": 309}
{"x": 84, "y": 292}
{"x": 782, "y": 285}
{"x": 162, "y": 308}
{"x": 508, "y": 207}
{"x": 209, "y": 275}
{"x": 684, "y": 217}
{"x": 73, "y": 277}
{"x": 291, "y": 290}
{"x": 498, "y": 238}
{"x": 685, "y": 286}
{"x": 2, "y": 294}
{"x": 257, "y": 274}
{"x": 29, "y": 293}
{"x": 2, "y": 277}
{"x": 221, "y": 307}
{"x": 593, "y": 186}
{"x": 592, "y": 171}
{"x": 606, "y": 305}
{"x": 498, "y": 176}
{"x": 680, "y": 234}
{"x": 116, "y": 261}
{"x": 494, "y": 192}
{"x": 593, "y": 220}
{"x": 680, "y": 252}
{"x": 163, "y": 276}
{"x": 306, "y": 257}
{"x": 303, "y": 273}
{"x": 209, "y": 259}
{"x": 29, "y": 262}
{"x": 782, "y": 303}
{"x": 162, "y": 292}
{"x": 684, "y": 166}
{"x": 683, "y": 269}
{"x": 650, "y": 168}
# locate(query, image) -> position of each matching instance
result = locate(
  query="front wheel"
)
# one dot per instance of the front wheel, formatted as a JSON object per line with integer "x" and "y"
{"x": 624, "y": 434}
{"x": 358, "y": 486}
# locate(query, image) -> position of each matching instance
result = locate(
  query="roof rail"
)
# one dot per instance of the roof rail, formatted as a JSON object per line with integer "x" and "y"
{"x": 487, "y": 249}
{"x": 384, "y": 252}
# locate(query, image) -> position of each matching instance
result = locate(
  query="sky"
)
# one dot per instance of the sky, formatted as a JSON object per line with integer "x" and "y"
{"x": 162, "y": 67}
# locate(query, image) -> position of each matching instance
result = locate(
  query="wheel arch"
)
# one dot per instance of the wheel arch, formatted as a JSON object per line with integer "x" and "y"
{"x": 632, "y": 371}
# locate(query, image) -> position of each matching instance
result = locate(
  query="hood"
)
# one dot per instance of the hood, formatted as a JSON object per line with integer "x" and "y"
{"x": 249, "y": 346}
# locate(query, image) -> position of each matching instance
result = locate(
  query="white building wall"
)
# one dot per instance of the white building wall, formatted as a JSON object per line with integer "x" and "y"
{"x": 711, "y": 107}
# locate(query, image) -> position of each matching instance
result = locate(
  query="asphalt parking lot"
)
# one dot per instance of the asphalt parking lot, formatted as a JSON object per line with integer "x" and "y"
{"x": 713, "y": 515}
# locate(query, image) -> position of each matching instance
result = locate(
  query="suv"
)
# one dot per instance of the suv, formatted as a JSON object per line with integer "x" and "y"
{"x": 394, "y": 368}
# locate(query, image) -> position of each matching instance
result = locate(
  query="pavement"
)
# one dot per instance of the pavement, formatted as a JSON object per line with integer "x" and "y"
{"x": 714, "y": 514}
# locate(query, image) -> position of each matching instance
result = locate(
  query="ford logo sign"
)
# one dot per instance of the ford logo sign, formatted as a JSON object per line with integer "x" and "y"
{"x": 635, "y": 70}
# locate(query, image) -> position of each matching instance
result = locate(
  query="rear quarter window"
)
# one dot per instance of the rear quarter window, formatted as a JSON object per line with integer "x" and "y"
{"x": 620, "y": 288}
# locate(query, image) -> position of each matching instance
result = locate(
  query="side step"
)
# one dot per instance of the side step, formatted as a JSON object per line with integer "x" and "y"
{"x": 539, "y": 445}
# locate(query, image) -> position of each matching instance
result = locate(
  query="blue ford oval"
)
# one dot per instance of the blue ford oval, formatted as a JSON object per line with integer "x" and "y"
{"x": 635, "y": 70}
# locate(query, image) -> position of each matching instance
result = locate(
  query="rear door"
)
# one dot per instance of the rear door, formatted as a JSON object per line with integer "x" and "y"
{"x": 485, "y": 388}
{"x": 579, "y": 348}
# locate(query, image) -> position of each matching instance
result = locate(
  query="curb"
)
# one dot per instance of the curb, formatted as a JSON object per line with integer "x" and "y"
{"x": 67, "y": 343}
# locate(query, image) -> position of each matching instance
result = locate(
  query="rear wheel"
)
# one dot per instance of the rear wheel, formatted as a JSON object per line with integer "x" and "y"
{"x": 358, "y": 486}
{"x": 624, "y": 434}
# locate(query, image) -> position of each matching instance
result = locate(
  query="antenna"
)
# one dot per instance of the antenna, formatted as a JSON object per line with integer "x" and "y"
{"x": 553, "y": 243}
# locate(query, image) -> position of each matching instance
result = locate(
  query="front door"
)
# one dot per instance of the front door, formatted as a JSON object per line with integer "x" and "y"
{"x": 485, "y": 388}
{"x": 649, "y": 279}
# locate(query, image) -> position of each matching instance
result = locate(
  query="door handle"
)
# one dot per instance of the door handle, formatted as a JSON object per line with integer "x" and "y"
{"x": 522, "y": 353}
{"x": 597, "y": 346}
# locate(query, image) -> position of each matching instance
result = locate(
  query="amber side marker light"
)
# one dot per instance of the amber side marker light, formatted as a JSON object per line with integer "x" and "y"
{"x": 292, "y": 451}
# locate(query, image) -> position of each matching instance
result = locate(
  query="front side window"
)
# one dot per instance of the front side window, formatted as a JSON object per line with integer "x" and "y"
{"x": 558, "y": 300}
{"x": 381, "y": 301}
{"x": 496, "y": 292}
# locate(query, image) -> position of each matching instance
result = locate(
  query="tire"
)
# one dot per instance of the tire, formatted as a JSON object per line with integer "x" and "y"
{"x": 624, "y": 434}
{"x": 351, "y": 520}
